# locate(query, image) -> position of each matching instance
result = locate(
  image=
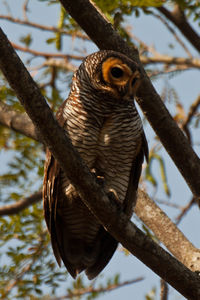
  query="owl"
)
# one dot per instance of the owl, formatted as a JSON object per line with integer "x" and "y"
{"x": 102, "y": 122}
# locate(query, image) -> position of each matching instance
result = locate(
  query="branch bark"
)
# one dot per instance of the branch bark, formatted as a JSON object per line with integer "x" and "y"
{"x": 167, "y": 232}
{"x": 173, "y": 139}
{"x": 115, "y": 221}
{"x": 20, "y": 205}
{"x": 19, "y": 122}
{"x": 178, "y": 18}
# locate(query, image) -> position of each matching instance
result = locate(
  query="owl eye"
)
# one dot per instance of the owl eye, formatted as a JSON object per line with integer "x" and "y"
{"x": 116, "y": 72}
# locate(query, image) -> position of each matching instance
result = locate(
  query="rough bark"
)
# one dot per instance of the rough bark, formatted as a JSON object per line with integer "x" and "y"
{"x": 167, "y": 232}
{"x": 115, "y": 221}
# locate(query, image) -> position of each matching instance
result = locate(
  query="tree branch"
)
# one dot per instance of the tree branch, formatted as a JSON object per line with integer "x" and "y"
{"x": 15, "y": 208}
{"x": 178, "y": 18}
{"x": 91, "y": 289}
{"x": 164, "y": 290}
{"x": 167, "y": 232}
{"x": 159, "y": 59}
{"x": 19, "y": 122}
{"x": 45, "y": 54}
{"x": 43, "y": 27}
{"x": 115, "y": 221}
{"x": 173, "y": 139}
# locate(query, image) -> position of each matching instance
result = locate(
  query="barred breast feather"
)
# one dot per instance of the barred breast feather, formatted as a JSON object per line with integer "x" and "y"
{"x": 109, "y": 136}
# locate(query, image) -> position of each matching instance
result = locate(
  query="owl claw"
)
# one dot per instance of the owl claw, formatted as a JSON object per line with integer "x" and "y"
{"x": 112, "y": 195}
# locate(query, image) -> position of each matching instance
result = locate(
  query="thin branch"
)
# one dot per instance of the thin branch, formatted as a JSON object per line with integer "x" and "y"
{"x": 173, "y": 139}
{"x": 47, "y": 55}
{"x": 163, "y": 290}
{"x": 173, "y": 33}
{"x": 91, "y": 289}
{"x": 77, "y": 34}
{"x": 107, "y": 212}
{"x": 25, "y": 9}
{"x": 192, "y": 111}
{"x": 15, "y": 208}
{"x": 178, "y": 18}
{"x": 185, "y": 210}
{"x": 34, "y": 257}
{"x": 165, "y": 59}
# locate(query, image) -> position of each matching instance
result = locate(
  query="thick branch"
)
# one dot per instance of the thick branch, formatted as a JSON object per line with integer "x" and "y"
{"x": 178, "y": 18}
{"x": 173, "y": 139}
{"x": 167, "y": 232}
{"x": 20, "y": 205}
{"x": 19, "y": 122}
{"x": 115, "y": 221}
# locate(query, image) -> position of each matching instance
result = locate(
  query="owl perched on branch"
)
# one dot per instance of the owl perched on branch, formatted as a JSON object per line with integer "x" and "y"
{"x": 102, "y": 122}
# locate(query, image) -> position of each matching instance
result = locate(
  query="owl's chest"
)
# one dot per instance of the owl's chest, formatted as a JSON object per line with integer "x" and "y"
{"x": 104, "y": 137}
{"x": 118, "y": 143}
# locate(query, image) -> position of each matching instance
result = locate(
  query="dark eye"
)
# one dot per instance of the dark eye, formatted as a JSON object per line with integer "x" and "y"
{"x": 116, "y": 72}
{"x": 134, "y": 81}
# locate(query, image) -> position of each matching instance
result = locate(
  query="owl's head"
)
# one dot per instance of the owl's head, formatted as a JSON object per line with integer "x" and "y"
{"x": 111, "y": 72}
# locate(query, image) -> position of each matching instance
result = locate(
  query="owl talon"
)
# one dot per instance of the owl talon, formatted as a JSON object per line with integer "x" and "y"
{"x": 112, "y": 195}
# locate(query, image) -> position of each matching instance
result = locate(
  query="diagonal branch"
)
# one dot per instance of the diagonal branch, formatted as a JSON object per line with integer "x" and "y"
{"x": 167, "y": 232}
{"x": 178, "y": 18}
{"x": 17, "y": 121}
{"x": 43, "y": 27}
{"x": 115, "y": 221}
{"x": 173, "y": 139}
{"x": 20, "y": 205}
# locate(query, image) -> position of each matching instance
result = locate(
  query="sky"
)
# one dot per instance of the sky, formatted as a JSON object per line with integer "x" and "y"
{"x": 187, "y": 87}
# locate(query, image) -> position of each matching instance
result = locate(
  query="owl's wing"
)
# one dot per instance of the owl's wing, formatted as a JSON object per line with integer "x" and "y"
{"x": 106, "y": 244}
{"x": 50, "y": 198}
{"x": 131, "y": 195}
{"x": 52, "y": 172}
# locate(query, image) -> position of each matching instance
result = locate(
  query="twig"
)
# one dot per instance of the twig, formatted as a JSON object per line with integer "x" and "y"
{"x": 47, "y": 55}
{"x": 178, "y": 18}
{"x": 91, "y": 289}
{"x": 25, "y": 9}
{"x": 18, "y": 277}
{"x": 165, "y": 59}
{"x": 163, "y": 290}
{"x": 173, "y": 33}
{"x": 44, "y": 27}
{"x": 193, "y": 109}
{"x": 185, "y": 210}
{"x": 15, "y": 208}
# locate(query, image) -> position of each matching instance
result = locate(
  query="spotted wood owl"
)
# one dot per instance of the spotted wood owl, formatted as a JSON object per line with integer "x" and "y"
{"x": 101, "y": 120}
